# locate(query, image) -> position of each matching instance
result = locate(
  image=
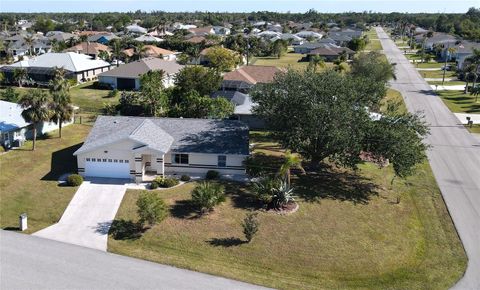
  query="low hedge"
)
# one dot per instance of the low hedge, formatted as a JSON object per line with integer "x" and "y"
{"x": 164, "y": 182}
{"x": 74, "y": 180}
{"x": 185, "y": 178}
{"x": 212, "y": 174}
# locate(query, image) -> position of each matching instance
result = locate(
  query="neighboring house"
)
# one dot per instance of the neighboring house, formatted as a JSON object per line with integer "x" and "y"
{"x": 309, "y": 34}
{"x": 202, "y": 31}
{"x": 153, "y": 51}
{"x": 331, "y": 53}
{"x": 307, "y": 47}
{"x": 137, "y": 147}
{"x": 148, "y": 38}
{"x": 59, "y": 36}
{"x": 220, "y": 30}
{"x": 268, "y": 34}
{"x": 292, "y": 38}
{"x": 40, "y": 69}
{"x": 200, "y": 40}
{"x": 92, "y": 49}
{"x": 127, "y": 76}
{"x": 181, "y": 26}
{"x": 204, "y": 60}
{"x": 135, "y": 29}
{"x": 463, "y": 51}
{"x": 341, "y": 39}
{"x": 437, "y": 39}
{"x": 242, "y": 79}
{"x": 102, "y": 38}
{"x": 243, "y": 108}
{"x": 13, "y": 128}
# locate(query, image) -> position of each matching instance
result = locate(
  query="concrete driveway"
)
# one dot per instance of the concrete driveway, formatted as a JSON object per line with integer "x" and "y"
{"x": 88, "y": 217}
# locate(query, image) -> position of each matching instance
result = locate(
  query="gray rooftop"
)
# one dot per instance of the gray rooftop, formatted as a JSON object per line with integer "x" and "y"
{"x": 175, "y": 134}
{"x": 137, "y": 68}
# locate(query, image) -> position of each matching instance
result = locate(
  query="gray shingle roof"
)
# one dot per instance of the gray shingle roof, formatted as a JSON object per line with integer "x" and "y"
{"x": 139, "y": 67}
{"x": 188, "y": 135}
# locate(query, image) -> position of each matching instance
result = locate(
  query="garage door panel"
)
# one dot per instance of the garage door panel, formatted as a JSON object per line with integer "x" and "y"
{"x": 107, "y": 169}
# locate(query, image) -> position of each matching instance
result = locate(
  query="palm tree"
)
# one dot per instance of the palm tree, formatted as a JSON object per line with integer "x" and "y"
{"x": 35, "y": 109}
{"x": 140, "y": 50}
{"x": 467, "y": 71}
{"x": 475, "y": 61}
{"x": 29, "y": 42}
{"x": 7, "y": 45}
{"x": 476, "y": 92}
{"x": 290, "y": 161}
{"x": 103, "y": 55}
{"x": 19, "y": 75}
{"x": 61, "y": 107}
{"x": 317, "y": 61}
{"x": 194, "y": 53}
{"x": 117, "y": 50}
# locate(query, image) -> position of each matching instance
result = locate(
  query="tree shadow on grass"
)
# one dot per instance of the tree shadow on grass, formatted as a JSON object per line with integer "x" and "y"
{"x": 62, "y": 162}
{"x": 226, "y": 242}
{"x": 343, "y": 186}
{"x": 123, "y": 229}
{"x": 241, "y": 196}
{"x": 184, "y": 209}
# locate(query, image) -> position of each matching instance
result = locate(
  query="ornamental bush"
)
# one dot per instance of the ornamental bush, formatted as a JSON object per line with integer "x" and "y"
{"x": 151, "y": 208}
{"x": 165, "y": 182}
{"x": 212, "y": 174}
{"x": 185, "y": 178}
{"x": 74, "y": 180}
{"x": 207, "y": 195}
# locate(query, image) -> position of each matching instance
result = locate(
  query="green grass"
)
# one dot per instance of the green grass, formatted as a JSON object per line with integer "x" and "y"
{"x": 395, "y": 97}
{"x": 436, "y": 74}
{"x": 28, "y": 182}
{"x": 431, "y": 64}
{"x": 374, "y": 43}
{"x": 475, "y": 129}
{"x": 290, "y": 59}
{"x": 348, "y": 233}
{"x": 90, "y": 100}
{"x": 447, "y": 83}
{"x": 458, "y": 102}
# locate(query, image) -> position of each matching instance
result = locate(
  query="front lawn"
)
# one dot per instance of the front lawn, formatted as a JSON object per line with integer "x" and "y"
{"x": 436, "y": 74}
{"x": 348, "y": 233}
{"x": 458, "y": 102}
{"x": 28, "y": 182}
{"x": 447, "y": 83}
{"x": 290, "y": 59}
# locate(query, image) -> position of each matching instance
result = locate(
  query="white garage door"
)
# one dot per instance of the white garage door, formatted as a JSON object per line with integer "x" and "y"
{"x": 113, "y": 168}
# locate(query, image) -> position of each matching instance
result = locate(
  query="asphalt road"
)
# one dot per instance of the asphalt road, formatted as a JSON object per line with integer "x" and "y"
{"x": 29, "y": 262}
{"x": 454, "y": 157}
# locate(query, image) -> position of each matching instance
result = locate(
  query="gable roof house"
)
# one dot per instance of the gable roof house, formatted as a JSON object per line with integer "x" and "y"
{"x": 153, "y": 51}
{"x": 331, "y": 53}
{"x": 103, "y": 37}
{"x": 202, "y": 31}
{"x": 40, "y": 69}
{"x": 242, "y": 79}
{"x": 141, "y": 148}
{"x": 14, "y": 130}
{"x": 92, "y": 49}
{"x": 309, "y": 34}
{"x": 135, "y": 29}
{"x": 127, "y": 76}
{"x": 439, "y": 39}
{"x": 463, "y": 51}
{"x": 148, "y": 38}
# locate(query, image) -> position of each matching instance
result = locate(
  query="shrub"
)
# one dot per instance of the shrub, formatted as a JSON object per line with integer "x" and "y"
{"x": 10, "y": 95}
{"x": 207, "y": 195}
{"x": 185, "y": 178}
{"x": 74, "y": 180}
{"x": 212, "y": 174}
{"x": 250, "y": 225}
{"x": 282, "y": 195}
{"x": 113, "y": 93}
{"x": 264, "y": 189}
{"x": 154, "y": 185}
{"x": 166, "y": 182}
{"x": 151, "y": 208}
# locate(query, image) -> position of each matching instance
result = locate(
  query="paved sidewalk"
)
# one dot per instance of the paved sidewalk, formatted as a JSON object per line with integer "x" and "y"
{"x": 463, "y": 117}
{"x": 448, "y": 88}
{"x": 87, "y": 218}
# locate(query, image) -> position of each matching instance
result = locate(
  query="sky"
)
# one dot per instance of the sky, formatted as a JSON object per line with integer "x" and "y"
{"x": 411, "y": 6}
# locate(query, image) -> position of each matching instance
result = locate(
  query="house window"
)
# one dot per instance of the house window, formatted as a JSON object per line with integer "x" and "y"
{"x": 115, "y": 161}
{"x": 88, "y": 159}
{"x": 126, "y": 161}
{"x": 222, "y": 161}
{"x": 180, "y": 158}
{"x": 109, "y": 160}
{"x": 121, "y": 160}
{"x": 104, "y": 160}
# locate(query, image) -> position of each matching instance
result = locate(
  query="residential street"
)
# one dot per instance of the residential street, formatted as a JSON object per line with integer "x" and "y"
{"x": 30, "y": 262}
{"x": 454, "y": 158}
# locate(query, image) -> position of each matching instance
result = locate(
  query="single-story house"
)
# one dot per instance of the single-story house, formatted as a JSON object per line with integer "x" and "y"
{"x": 13, "y": 128}
{"x": 309, "y": 34}
{"x": 103, "y": 37}
{"x": 202, "y": 31}
{"x": 331, "y": 53}
{"x": 242, "y": 79}
{"x": 463, "y": 51}
{"x": 221, "y": 30}
{"x": 92, "y": 49}
{"x": 440, "y": 39}
{"x": 40, "y": 69}
{"x": 154, "y": 51}
{"x": 148, "y": 38}
{"x": 243, "y": 108}
{"x": 137, "y": 147}
{"x": 135, "y": 29}
{"x": 127, "y": 76}
{"x": 292, "y": 38}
